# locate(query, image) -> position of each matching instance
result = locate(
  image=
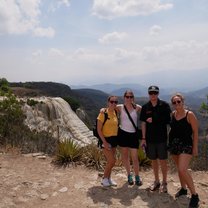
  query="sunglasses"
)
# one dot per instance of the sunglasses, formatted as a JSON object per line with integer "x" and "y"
{"x": 177, "y": 101}
{"x": 129, "y": 96}
{"x": 113, "y": 101}
{"x": 153, "y": 93}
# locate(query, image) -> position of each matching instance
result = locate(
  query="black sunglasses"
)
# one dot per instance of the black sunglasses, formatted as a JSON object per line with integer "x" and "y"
{"x": 177, "y": 101}
{"x": 129, "y": 96}
{"x": 113, "y": 101}
{"x": 153, "y": 93}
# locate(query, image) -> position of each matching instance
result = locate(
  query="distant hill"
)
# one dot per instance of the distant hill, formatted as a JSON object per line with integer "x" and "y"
{"x": 202, "y": 93}
{"x": 193, "y": 97}
{"x": 119, "y": 89}
{"x": 41, "y": 89}
{"x": 92, "y": 100}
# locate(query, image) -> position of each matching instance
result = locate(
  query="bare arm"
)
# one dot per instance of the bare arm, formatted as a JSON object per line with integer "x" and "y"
{"x": 143, "y": 126}
{"x": 138, "y": 108}
{"x": 194, "y": 125}
{"x": 99, "y": 129}
{"x": 102, "y": 110}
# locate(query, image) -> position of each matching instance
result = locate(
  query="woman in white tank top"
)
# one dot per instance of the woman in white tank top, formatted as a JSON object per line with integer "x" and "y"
{"x": 128, "y": 139}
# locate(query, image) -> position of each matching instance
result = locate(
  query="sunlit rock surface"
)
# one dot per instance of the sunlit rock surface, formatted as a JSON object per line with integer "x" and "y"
{"x": 55, "y": 115}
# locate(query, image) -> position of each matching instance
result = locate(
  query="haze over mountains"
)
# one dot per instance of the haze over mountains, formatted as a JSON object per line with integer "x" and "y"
{"x": 169, "y": 82}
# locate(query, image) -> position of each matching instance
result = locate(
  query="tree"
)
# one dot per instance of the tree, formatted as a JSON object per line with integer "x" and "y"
{"x": 4, "y": 86}
{"x": 11, "y": 114}
{"x": 204, "y": 107}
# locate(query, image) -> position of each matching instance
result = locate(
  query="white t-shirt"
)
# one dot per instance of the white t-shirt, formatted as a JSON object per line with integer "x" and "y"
{"x": 125, "y": 123}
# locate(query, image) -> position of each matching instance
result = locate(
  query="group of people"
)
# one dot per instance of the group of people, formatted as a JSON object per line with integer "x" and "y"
{"x": 155, "y": 116}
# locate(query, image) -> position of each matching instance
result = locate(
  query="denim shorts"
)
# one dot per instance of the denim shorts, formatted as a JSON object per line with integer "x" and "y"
{"x": 157, "y": 151}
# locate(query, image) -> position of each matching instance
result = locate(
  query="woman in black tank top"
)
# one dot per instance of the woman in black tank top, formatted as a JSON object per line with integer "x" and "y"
{"x": 180, "y": 136}
{"x": 183, "y": 144}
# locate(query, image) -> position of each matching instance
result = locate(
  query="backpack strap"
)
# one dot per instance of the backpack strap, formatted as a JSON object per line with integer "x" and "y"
{"x": 105, "y": 117}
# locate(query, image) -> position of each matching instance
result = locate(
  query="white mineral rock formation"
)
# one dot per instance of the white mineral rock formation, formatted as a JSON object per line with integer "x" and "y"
{"x": 55, "y": 115}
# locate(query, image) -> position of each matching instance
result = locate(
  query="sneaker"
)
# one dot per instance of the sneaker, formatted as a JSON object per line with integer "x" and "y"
{"x": 105, "y": 182}
{"x": 138, "y": 181}
{"x": 155, "y": 186}
{"x": 181, "y": 192}
{"x": 112, "y": 182}
{"x": 130, "y": 180}
{"x": 163, "y": 188}
{"x": 194, "y": 202}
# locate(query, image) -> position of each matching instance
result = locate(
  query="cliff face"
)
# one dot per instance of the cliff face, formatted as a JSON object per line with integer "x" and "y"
{"x": 54, "y": 115}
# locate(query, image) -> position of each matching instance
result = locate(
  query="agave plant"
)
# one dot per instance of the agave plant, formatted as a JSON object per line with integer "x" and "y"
{"x": 93, "y": 157}
{"x": 68, "y": 152}
{"x": 143, "y": 159}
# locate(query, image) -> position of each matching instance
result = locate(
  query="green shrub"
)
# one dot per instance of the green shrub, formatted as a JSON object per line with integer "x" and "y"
{"x": 72, "y": 102}
{"x": 93, "y": 157}
{"x": 11, "y": 115}
{"x": 4, "y": 86}
{"x": 31, "y": 102}
{"x": 33, "y": 141}
{"x": 68, "y": 152}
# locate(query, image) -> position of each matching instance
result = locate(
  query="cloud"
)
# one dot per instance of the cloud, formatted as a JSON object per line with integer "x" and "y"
{"x": 108, "y": 9}
{"x": 21, "y": 17}
{"x": 54, "y": 52}
{"x": 37, "y": 53}
{"x": 114, "y": 37}
{"x": 44, "y": 32}
{"x": 64, "y": 2}
{"x": 125, "y": 55}
{"x": 155, "y": 30}
{"x": 56, "y": 4}
{"x": 177, "y": 54}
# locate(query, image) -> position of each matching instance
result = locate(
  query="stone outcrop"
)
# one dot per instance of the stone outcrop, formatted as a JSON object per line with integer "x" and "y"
{"x": 55, "y": 115}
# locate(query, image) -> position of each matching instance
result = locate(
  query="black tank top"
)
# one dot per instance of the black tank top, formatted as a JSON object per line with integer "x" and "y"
{"x": 181, "y": 129}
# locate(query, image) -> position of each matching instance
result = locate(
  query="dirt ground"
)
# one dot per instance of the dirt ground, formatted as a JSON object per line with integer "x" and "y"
{"x": 27, "y": 181}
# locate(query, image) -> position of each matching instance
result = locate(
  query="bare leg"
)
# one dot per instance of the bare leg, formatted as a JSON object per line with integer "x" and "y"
{"x": 182, "y": 181}
{"x": 125, "y": 159}
{"x": 110, "y": 157}
{"x": 183, "y": 162}
{"x": 155, "y": 168}
{"x": 164, "y": 169}
{"x": 134, "y": 156}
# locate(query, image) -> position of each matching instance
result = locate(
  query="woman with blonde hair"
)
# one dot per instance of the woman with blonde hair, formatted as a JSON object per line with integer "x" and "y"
{"x": 183, "y": 145}
{"x": 128, "y": 136}
{"x": 108, "y": 130}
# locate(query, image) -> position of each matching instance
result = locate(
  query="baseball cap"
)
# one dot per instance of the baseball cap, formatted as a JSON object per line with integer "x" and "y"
{"x": 153, "y": 88}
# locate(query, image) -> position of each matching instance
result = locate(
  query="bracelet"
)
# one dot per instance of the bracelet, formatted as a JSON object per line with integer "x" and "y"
{"x": 143, "y": 139}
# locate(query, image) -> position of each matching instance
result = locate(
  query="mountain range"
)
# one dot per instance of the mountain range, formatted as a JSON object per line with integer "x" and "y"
{"x": 169, "y": 81}
{"x": 141, "y": 91}
{"x": 91, "y": 100}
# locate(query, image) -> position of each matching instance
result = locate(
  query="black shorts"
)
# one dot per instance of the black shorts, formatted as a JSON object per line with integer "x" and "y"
{"x": 157, "y": 151}
{"x": 113, "y": 141}
{"x": 177, "y": 147}
{"x": 127, "y": 139}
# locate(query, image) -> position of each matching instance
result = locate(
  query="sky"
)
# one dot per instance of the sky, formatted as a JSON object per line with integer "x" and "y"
{"x": 84, "y": 42}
